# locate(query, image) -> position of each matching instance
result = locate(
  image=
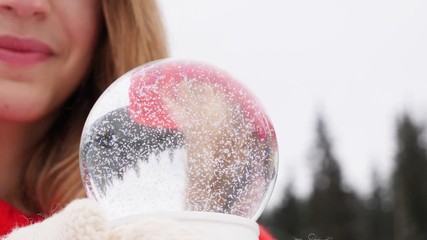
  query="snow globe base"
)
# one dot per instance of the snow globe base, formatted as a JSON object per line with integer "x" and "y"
{"x": 209, "y": 225}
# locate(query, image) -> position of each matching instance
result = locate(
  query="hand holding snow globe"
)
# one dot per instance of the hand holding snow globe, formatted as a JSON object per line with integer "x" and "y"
{"x": 181, "y": 140}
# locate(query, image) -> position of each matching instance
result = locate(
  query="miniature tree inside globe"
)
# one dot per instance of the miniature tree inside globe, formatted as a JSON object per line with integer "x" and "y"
{"x": 178, "y": 136}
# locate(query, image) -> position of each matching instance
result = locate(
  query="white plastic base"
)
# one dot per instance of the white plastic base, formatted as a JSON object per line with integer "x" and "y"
{"x": 212, "y": 226}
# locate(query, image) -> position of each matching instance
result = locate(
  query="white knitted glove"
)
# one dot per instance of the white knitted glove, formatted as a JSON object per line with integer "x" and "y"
{"x": 83, "y": 220}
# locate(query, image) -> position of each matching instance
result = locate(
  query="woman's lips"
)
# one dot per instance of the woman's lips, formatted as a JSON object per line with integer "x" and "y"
{"x": 23, "y": 52}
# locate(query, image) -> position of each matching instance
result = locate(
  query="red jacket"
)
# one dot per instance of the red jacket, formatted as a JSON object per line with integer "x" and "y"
{"x": 264, "y": 235}
{"x": 11, "y": 218}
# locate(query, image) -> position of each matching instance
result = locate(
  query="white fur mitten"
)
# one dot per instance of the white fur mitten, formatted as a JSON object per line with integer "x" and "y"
{"x": 84, "y": 220}
{"x": 81, "y": 219}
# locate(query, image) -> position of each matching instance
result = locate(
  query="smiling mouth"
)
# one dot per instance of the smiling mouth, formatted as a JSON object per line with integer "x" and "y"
{"x": 23, "y": 52}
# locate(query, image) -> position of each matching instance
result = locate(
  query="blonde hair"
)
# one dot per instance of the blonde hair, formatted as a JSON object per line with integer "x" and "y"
{"x": 131, "y": 34}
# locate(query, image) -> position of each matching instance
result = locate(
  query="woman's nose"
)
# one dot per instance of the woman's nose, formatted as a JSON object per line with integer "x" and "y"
{"x": 25, "y": 8}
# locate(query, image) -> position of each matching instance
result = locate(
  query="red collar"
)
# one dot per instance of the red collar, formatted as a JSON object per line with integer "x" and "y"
{"x": 11, "y": 218}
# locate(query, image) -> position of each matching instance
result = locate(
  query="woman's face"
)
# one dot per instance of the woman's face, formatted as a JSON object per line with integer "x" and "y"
{"x": 46, "y": 47}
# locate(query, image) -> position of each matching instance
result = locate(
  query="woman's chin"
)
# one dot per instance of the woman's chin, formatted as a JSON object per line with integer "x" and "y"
{"x": 21, "y": 113}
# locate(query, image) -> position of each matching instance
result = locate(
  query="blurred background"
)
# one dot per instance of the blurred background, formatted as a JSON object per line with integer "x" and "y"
{"x": 345, "y": 85}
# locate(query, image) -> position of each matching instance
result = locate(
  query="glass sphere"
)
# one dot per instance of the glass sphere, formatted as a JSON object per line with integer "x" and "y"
{"x": 176, "y": 136}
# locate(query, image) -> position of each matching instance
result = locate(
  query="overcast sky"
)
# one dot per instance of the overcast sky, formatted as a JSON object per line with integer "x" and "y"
{"x": 358, "y": 62}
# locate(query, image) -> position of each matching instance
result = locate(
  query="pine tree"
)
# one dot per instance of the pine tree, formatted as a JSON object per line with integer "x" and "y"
{"x": 378, "y": 212}
{"x": 285, "y": 221}
{"x": 330, "y": 208}
{"x": 410, "y": 182}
